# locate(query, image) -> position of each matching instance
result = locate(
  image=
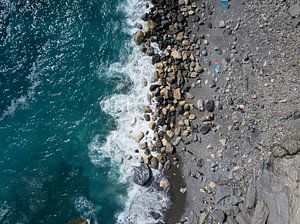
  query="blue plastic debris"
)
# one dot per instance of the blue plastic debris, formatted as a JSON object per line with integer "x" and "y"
{"x": 224, "y": 4}
{"x": 218, "y": 68}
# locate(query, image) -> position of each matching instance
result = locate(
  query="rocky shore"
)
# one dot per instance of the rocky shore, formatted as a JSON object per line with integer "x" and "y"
{"x": 226, "y": 119}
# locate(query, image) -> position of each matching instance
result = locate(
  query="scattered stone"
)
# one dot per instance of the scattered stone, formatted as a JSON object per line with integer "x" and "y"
{"x": 222, "y": 24}
{"x": 192, "y": 116}
{"x": 204, "y": 129}
{"x": 164, "y": 183}
{"x": 154, "y": 163}
{"x": 200, "y": 105}
{"x": 170, "y": 133}
{"x": 182, "y": 190}
{"x": 139, "y": 137}
{"x": 223, "y": 142}
{"x": 198, "y": 68}
{"x": 142, "y": 174}
{"x": 176, "y": 54}
{"x": 210, "y": 106}
{"x": 155, "y": 215}
{"x": 177, "y": 94}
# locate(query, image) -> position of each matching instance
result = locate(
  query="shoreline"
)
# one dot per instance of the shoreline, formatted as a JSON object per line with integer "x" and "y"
{"x": 213, "y": 124}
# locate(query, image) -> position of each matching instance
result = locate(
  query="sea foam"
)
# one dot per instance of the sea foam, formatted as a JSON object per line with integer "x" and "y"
{"x": 23, "y": 101}
{"x": 127, "y": 109}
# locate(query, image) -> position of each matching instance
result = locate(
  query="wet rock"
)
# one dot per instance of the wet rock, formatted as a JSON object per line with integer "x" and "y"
{"x": 142, "y": 174}
{"x": 155, "y": 215}
{"x": 204, "y": 129}
{"x": 164, "y": 183}
{"x": 210, "y": 105}
{"x": 154, "y": 163}
{"x": 161, "y": 158}
{"x": 139, "y": 137}
{"x": 80, "y": 221}
{"x": 139, "y": 37}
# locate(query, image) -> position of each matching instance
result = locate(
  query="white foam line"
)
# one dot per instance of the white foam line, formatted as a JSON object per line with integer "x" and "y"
{"x": 23, "y": 100}
{"x": 128, "y": 112}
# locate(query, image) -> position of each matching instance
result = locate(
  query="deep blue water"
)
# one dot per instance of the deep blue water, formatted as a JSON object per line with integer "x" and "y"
{"x": 53, "y": 58}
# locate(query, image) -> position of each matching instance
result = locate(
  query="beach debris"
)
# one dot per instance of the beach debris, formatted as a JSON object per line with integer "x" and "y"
{"x": 182, "y": 190}
{"x": 218, "y": 68}
{"x": 237, "y": 25}
{"x": 241, "y": 108}
{"x": 224, "y": 4}
{"x": 222, "y": 24}
{"x": 142, "y": 174}
{"x": 202, "y": 190}
{"x": 223, "y": 142}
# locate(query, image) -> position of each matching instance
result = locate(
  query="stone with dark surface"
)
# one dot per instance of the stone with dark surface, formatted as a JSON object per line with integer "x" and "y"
{"x": 204, "y": 129}
{"x": 142, "y": 174}
{"x": 210, "y": 105}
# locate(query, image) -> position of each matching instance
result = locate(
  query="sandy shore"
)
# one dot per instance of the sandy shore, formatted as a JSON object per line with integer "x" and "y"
{"x": 226, "y": 90}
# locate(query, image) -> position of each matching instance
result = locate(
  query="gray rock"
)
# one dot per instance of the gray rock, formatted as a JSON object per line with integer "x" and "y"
{"x": 294, "y": 10}
{"x": 204, "y": 129}
{"x": 219, "y": 215}
{"x": 261, "y": 213}
{"x": 251, "y": 196}
{"x": 210, "y": 106}
{"x": 202, "y": 217}
{"x": 154, "y": 163}
{"x": 142, "y": 174}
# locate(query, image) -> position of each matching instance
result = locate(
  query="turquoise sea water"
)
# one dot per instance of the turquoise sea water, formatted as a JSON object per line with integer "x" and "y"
{"x": 54, "y": 55}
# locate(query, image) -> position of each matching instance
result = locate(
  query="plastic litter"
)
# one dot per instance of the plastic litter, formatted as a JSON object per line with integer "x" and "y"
{"x": 218, "y": 68}
{"x": 224, "y": 4}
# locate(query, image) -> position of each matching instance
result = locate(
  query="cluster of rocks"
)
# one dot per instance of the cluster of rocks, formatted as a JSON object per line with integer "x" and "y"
{"x": 172, "y": 121}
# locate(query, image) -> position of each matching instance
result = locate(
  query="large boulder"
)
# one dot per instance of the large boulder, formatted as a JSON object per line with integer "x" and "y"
{"x": 142, "y": 174}
{"x": 139, "y": 37}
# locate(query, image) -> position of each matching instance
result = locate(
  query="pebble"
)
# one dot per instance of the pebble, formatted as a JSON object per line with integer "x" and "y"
{"x": 200, "y": 105}
{"x": 139, "y": 137}
{"x": 204, "y": 129}
{"x": 210, "y": 106}
{"x": 222, "y": 24}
